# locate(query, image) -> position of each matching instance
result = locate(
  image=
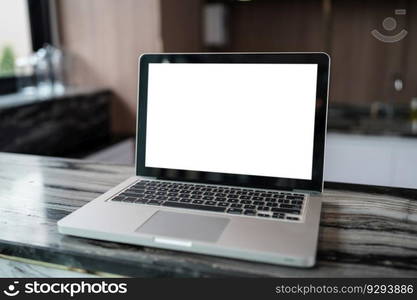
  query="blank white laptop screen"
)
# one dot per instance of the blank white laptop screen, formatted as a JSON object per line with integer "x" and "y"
{"x": 250, "y": 119}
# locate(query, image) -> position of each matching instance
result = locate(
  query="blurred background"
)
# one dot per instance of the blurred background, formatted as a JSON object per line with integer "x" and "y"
{"x": 68, "y": 72}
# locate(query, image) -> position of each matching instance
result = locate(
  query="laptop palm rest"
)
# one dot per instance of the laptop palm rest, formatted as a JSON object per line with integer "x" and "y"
{"x": 184, "y": 226}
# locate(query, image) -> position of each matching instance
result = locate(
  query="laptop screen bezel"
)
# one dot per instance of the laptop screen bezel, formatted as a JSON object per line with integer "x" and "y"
{"x": 316, "y": 182}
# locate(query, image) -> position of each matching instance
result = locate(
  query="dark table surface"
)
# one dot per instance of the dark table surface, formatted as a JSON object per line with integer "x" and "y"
{"x": 361, "y": 234}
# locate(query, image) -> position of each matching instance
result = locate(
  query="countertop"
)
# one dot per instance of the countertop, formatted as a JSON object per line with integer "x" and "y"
{"x": 361, "y": 234}
{"x": 8, "y": 101}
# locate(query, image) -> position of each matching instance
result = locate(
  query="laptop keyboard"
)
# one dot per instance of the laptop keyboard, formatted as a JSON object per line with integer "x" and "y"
{"x": 229, "y": 200}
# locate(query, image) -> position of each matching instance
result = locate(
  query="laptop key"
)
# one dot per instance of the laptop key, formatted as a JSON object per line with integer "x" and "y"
{"x": 248, "y": 206}
{"x": 263, "y": 208}
{"x": 130, "y": 199}
{"x": 194, "y": 206}
{"x": 285, "y": 210}
{"x": 118, "y": 198}
{"x": 155, "y": 202}
{"x": 245, "y": 201}
{"x": 263, "y": 215}
{"x": 141, "y": 201}
{"x": 185, "y": 200}
{"x": 235, "y": 211}
{"x": 136, "y": 189}
{"x": 139, "y": 186}
{"x": 290, "y": 206}
{"x": 250, "y": 212}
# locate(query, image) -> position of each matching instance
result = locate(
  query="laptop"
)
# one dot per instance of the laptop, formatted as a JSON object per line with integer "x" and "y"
{"x": 229, "y": 159}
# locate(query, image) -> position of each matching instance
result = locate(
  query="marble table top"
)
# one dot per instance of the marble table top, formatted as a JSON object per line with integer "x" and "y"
{"x": 361, "y": 234}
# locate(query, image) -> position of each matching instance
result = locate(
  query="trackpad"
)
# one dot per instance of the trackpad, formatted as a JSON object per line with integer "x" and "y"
{"x": 184, "y": 226}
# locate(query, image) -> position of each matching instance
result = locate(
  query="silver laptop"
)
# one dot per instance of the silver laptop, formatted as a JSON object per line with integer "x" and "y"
{"x": 229, "y": 158}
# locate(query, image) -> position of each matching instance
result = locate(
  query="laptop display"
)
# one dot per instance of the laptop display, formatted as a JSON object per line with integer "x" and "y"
{"x": 249, "y": 119}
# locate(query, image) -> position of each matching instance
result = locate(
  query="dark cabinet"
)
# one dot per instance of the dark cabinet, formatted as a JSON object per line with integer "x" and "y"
{"x": 70, "y": 124}
{"x": 364, "y": 69}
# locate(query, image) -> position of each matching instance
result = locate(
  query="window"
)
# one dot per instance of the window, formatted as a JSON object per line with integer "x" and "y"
{"x": 25, "y": 28}
{"x": 15, "y": 37}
